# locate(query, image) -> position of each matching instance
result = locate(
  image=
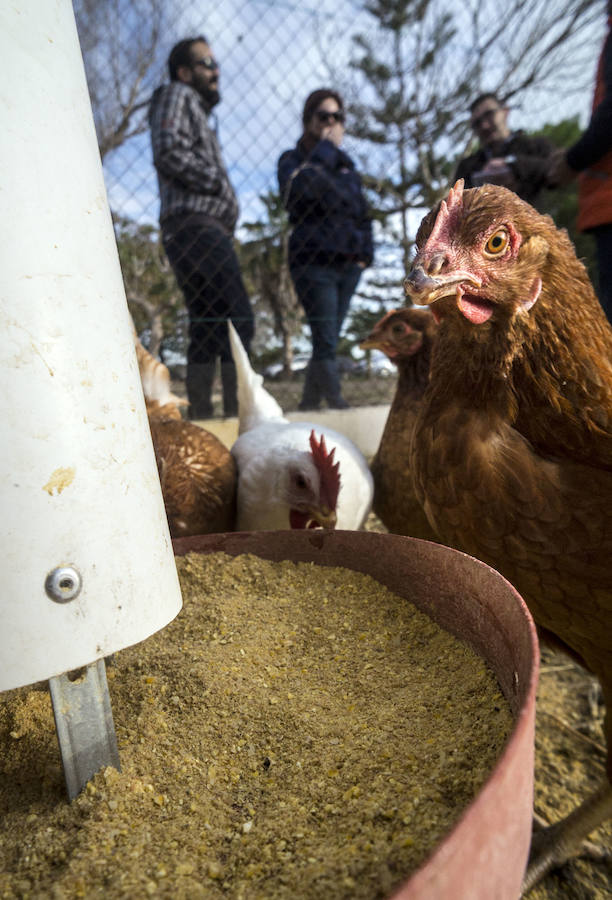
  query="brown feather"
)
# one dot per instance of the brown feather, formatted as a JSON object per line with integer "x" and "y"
{"x": 558, "y": 359}
{"x": 395, "y": 503}
{"x": 157, "y": 410}
{"x": 513, "y": 445}
{"x": 155, "y": 378}
{"x": 197, "y": 475}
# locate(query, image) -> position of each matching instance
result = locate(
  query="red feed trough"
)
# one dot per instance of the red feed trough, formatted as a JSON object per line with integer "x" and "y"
{"x": 485, "y": 853}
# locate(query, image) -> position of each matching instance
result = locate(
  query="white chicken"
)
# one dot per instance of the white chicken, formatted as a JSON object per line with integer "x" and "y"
{"x": 287, "y": 478}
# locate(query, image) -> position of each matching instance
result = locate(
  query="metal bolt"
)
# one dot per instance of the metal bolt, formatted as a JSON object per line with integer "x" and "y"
{"x": 63, "y": 584}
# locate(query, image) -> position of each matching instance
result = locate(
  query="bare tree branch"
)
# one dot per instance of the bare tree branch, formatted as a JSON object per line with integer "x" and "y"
{"x": 122, "y": 49}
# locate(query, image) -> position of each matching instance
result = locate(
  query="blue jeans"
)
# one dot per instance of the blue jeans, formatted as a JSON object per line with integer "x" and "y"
{"x": 603, "y": 241}
{"x": 325, "y": 293}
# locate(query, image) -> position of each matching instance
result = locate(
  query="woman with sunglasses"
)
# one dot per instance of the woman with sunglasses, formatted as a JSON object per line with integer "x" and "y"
{"x": 331, "y": 240}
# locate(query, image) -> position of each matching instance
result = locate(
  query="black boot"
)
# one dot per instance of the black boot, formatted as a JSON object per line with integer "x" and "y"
{"x": 311, "y": 395}
{"x": 199, "y": 382}
{"x": 329, "y": 380}
{"x": 229, "y": 383}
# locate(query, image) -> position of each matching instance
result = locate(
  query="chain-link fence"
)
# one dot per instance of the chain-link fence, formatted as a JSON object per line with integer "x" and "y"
{"x": 296, "y": 263}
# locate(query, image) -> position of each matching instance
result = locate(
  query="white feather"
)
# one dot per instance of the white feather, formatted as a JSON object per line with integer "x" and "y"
{"x": 269, "y": 447}
{"x": 255, "y": 404}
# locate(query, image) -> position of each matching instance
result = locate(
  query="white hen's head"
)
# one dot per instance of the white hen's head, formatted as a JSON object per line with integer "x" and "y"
{"x": 313, "y": 486}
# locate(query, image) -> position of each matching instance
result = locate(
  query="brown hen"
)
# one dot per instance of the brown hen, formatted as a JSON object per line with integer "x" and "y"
{"x": 155, "y": 380}
{"x": 198, "y": 477}
{"x": 157, "y": 410}
{"x": 196, "y": 470}
{"x": 406, "y": 337}
{"x": 512, "y": 447}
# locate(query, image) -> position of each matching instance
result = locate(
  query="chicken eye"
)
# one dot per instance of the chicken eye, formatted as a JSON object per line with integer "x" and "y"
{"x": 497, "y": 242}
{"x": 300, "y": 481}
{"x": 398, "y": 329}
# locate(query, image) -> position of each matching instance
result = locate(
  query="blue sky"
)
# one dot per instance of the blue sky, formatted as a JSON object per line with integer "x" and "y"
{"x": 272, "y": 53}
{"x": 270, "y": 60}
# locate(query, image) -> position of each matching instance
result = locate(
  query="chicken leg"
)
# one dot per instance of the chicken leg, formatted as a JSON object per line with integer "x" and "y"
{"x": 558, "y": 843}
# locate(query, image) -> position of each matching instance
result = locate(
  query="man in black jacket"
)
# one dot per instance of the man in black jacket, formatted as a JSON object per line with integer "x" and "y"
{"x": 198, "y": 214}
{"x": 512, "y": 159}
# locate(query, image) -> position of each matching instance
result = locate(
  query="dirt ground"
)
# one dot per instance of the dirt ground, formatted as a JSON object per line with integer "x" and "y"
{"x": 358, "y": 391}
{"x": 570, "y": 758}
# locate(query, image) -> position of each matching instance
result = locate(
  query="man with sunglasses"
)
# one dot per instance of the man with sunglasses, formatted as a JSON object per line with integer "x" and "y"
{"x": 331, "y": 240}
{"x": 510, "y": 158}
{"x": 198, "y": 214}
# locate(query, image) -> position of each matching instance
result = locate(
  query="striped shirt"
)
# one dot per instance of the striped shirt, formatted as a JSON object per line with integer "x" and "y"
{"x": 190, "y": 170}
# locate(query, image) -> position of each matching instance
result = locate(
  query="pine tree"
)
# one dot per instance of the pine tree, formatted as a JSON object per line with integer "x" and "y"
{"x": 419, "y": 66}
{"x": 412, "y": 117}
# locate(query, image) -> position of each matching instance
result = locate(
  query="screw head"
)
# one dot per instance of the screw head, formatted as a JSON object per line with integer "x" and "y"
{"x": 63, "y": 584}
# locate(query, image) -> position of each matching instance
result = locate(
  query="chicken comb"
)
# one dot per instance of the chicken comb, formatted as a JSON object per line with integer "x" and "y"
{"x": 448, "y": 213}
{"x": 328, "y": 470}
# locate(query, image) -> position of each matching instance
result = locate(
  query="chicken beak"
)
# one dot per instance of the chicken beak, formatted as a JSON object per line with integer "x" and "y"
{"x": 370, "y": 343}
{"x": 419, "y": 283}
{"x": 423, "y": 289}
{"x": 324, "y": 517}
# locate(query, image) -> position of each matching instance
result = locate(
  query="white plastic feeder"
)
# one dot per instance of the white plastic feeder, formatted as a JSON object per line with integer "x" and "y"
{"x": 87, "y": 562}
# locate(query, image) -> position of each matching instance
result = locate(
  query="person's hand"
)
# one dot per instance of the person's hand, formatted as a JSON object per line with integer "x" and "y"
{"x": 496, "y": 171}
{"x": 559, "y": 172}
{"x": 333, "y": 133}
{"x": 495, "y": 166}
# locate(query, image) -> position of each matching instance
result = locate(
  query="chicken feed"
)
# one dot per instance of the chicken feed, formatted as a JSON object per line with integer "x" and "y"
{"x": 295, "y": 731}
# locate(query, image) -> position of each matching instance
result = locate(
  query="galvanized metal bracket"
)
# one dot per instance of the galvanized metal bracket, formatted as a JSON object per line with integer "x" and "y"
{"x": 84, "y": 725}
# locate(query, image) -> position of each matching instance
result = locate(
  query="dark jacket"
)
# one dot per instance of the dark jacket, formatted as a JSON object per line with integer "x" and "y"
{"x": 191, "y": 172}
{"x": 322, "y": 192}
{"x": 592, "y": 153}
{"x": 528, "y": 159}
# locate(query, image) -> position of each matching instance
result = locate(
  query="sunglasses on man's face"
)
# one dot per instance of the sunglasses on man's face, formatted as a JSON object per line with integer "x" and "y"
{"x": 328, "y": 117}
{"x": 208, "y": 62}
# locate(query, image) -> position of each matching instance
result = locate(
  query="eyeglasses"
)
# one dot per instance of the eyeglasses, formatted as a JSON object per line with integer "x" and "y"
{"x": 209, "y": 62}
{"x": 324, "y": 116}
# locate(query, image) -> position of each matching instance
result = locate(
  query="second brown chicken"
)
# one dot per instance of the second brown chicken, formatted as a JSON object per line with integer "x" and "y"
{"x": 406, "y": 336}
